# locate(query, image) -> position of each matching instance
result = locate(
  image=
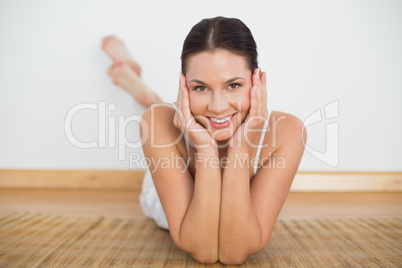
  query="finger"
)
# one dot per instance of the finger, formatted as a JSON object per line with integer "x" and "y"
{"x": 179, "y": 94}
{"x": 259, "y": 104}
{"x": 203, "y": 121}
{"x": 185, "y": 99}
{"x": 263, "y": 101}
{"x": 258, "y": 86}
{"x": 254, "y": 77}
{"x": 179, "y": 117}
{"x": 264, "y": 87}
{"x": 260, "y": 93}
{"x": 253, "y": 102}
{"x": 252, "y": 95}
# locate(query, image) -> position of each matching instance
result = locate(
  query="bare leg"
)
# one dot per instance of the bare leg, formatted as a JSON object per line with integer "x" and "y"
{"x": 123, "y": 76}
{"x": 125, "y": 72}
{"x": 117, "y": 50}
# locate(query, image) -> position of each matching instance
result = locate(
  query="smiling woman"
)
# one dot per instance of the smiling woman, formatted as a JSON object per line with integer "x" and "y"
{"x": 221, "y": 202}
{"x": 223, "y": 100}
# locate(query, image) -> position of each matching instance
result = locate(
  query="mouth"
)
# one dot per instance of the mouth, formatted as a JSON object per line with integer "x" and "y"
{"x": 221, "y": 122}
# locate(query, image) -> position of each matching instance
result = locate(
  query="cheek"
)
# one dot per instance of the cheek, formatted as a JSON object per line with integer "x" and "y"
{"x": 193, "y": 105}
{"x": 244, "y": 99}
{"x": 196, "y": 104}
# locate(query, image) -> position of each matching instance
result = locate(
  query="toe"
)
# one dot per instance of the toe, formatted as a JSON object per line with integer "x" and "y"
{"x": 104, "y": 41}
{"x": 110, "y": 70}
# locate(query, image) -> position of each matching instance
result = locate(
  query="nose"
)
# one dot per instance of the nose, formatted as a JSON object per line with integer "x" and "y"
{"x": 218, "y": 103}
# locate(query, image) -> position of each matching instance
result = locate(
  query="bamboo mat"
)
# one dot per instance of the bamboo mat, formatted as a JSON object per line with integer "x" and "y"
{"x": 36, "y": 240}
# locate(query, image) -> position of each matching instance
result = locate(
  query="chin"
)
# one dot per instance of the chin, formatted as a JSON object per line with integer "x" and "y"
{"x": 222, "y": 137}
{"x": 222, "y": 134}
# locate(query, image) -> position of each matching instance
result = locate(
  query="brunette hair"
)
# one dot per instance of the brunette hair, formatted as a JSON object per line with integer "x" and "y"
{"x": 220, "y": 33}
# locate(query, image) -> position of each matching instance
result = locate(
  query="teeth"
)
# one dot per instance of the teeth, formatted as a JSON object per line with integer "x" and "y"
{"x": 220, "y": 121}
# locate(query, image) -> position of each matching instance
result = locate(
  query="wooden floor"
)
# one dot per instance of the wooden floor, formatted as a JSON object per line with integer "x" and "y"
{"x": 124, "y": 204}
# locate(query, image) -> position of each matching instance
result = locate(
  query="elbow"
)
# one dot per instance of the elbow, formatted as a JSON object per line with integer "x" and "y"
{"x": 232, "y": 259}
{"x": 239, "y": 255}
{"x": 232, "y": 256}
{"x": 199, "y": 254}
{"x": 235, "y": 258}
{"x": 205, "y": 257}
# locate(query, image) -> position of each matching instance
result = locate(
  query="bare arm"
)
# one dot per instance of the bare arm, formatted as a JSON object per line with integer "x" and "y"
{"x": 199, "y": 229}
{"x": 249, "y": 210}
{"x": 239, "y": 230}
{"x": 191, "y": 206}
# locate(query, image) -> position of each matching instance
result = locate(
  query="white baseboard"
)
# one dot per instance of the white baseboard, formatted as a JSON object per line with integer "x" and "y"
{"x": 347, "y": 182}
{"x": 132, "y": 179}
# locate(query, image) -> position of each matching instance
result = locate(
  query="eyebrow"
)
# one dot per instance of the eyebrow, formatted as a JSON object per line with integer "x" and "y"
{"x": 205, "y": 84}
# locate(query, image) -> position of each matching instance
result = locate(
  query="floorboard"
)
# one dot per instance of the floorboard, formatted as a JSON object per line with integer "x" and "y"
{"x": 124, "y": 204}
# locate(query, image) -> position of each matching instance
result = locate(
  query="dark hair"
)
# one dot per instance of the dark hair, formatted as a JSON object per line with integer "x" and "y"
{"x": 220, "y": 33}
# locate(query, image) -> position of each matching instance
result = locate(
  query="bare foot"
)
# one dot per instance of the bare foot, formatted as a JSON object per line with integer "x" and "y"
{"x": 117, "y": 50}
{"x": 123, "y": 76}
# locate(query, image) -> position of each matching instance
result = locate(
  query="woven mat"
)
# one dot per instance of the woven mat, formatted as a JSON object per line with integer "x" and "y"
{"x": 36, "y": 240}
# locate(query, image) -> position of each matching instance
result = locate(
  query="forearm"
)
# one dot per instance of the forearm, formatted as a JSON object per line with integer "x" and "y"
{"x": 239, "y": 230}
{"x": 200, "y": 226}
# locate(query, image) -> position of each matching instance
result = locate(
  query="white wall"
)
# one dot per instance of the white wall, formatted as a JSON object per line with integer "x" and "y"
{"x": 315, "y": 52}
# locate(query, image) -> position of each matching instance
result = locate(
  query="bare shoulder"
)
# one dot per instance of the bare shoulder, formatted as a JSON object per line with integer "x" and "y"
{"x": 284, "y": 128}
{"x": 158, "y": 124}
{"x": 286, "y": 124}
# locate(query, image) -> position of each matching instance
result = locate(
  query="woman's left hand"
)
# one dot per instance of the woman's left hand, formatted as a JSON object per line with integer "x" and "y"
{"x": 248, "y": 134}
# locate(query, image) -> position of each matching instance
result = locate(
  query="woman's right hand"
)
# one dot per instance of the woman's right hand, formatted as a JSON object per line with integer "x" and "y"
{"x": 185, "y": 121}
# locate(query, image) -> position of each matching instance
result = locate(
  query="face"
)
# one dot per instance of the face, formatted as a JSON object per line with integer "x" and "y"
{"x": 219, "y": 86}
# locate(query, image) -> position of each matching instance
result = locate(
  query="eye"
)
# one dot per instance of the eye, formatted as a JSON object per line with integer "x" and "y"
{"x": 234, "y": 86}
{"x": 200, "y": 88}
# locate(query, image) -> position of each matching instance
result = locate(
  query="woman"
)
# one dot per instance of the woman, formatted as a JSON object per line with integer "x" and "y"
{"x": 239, "y": 160}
